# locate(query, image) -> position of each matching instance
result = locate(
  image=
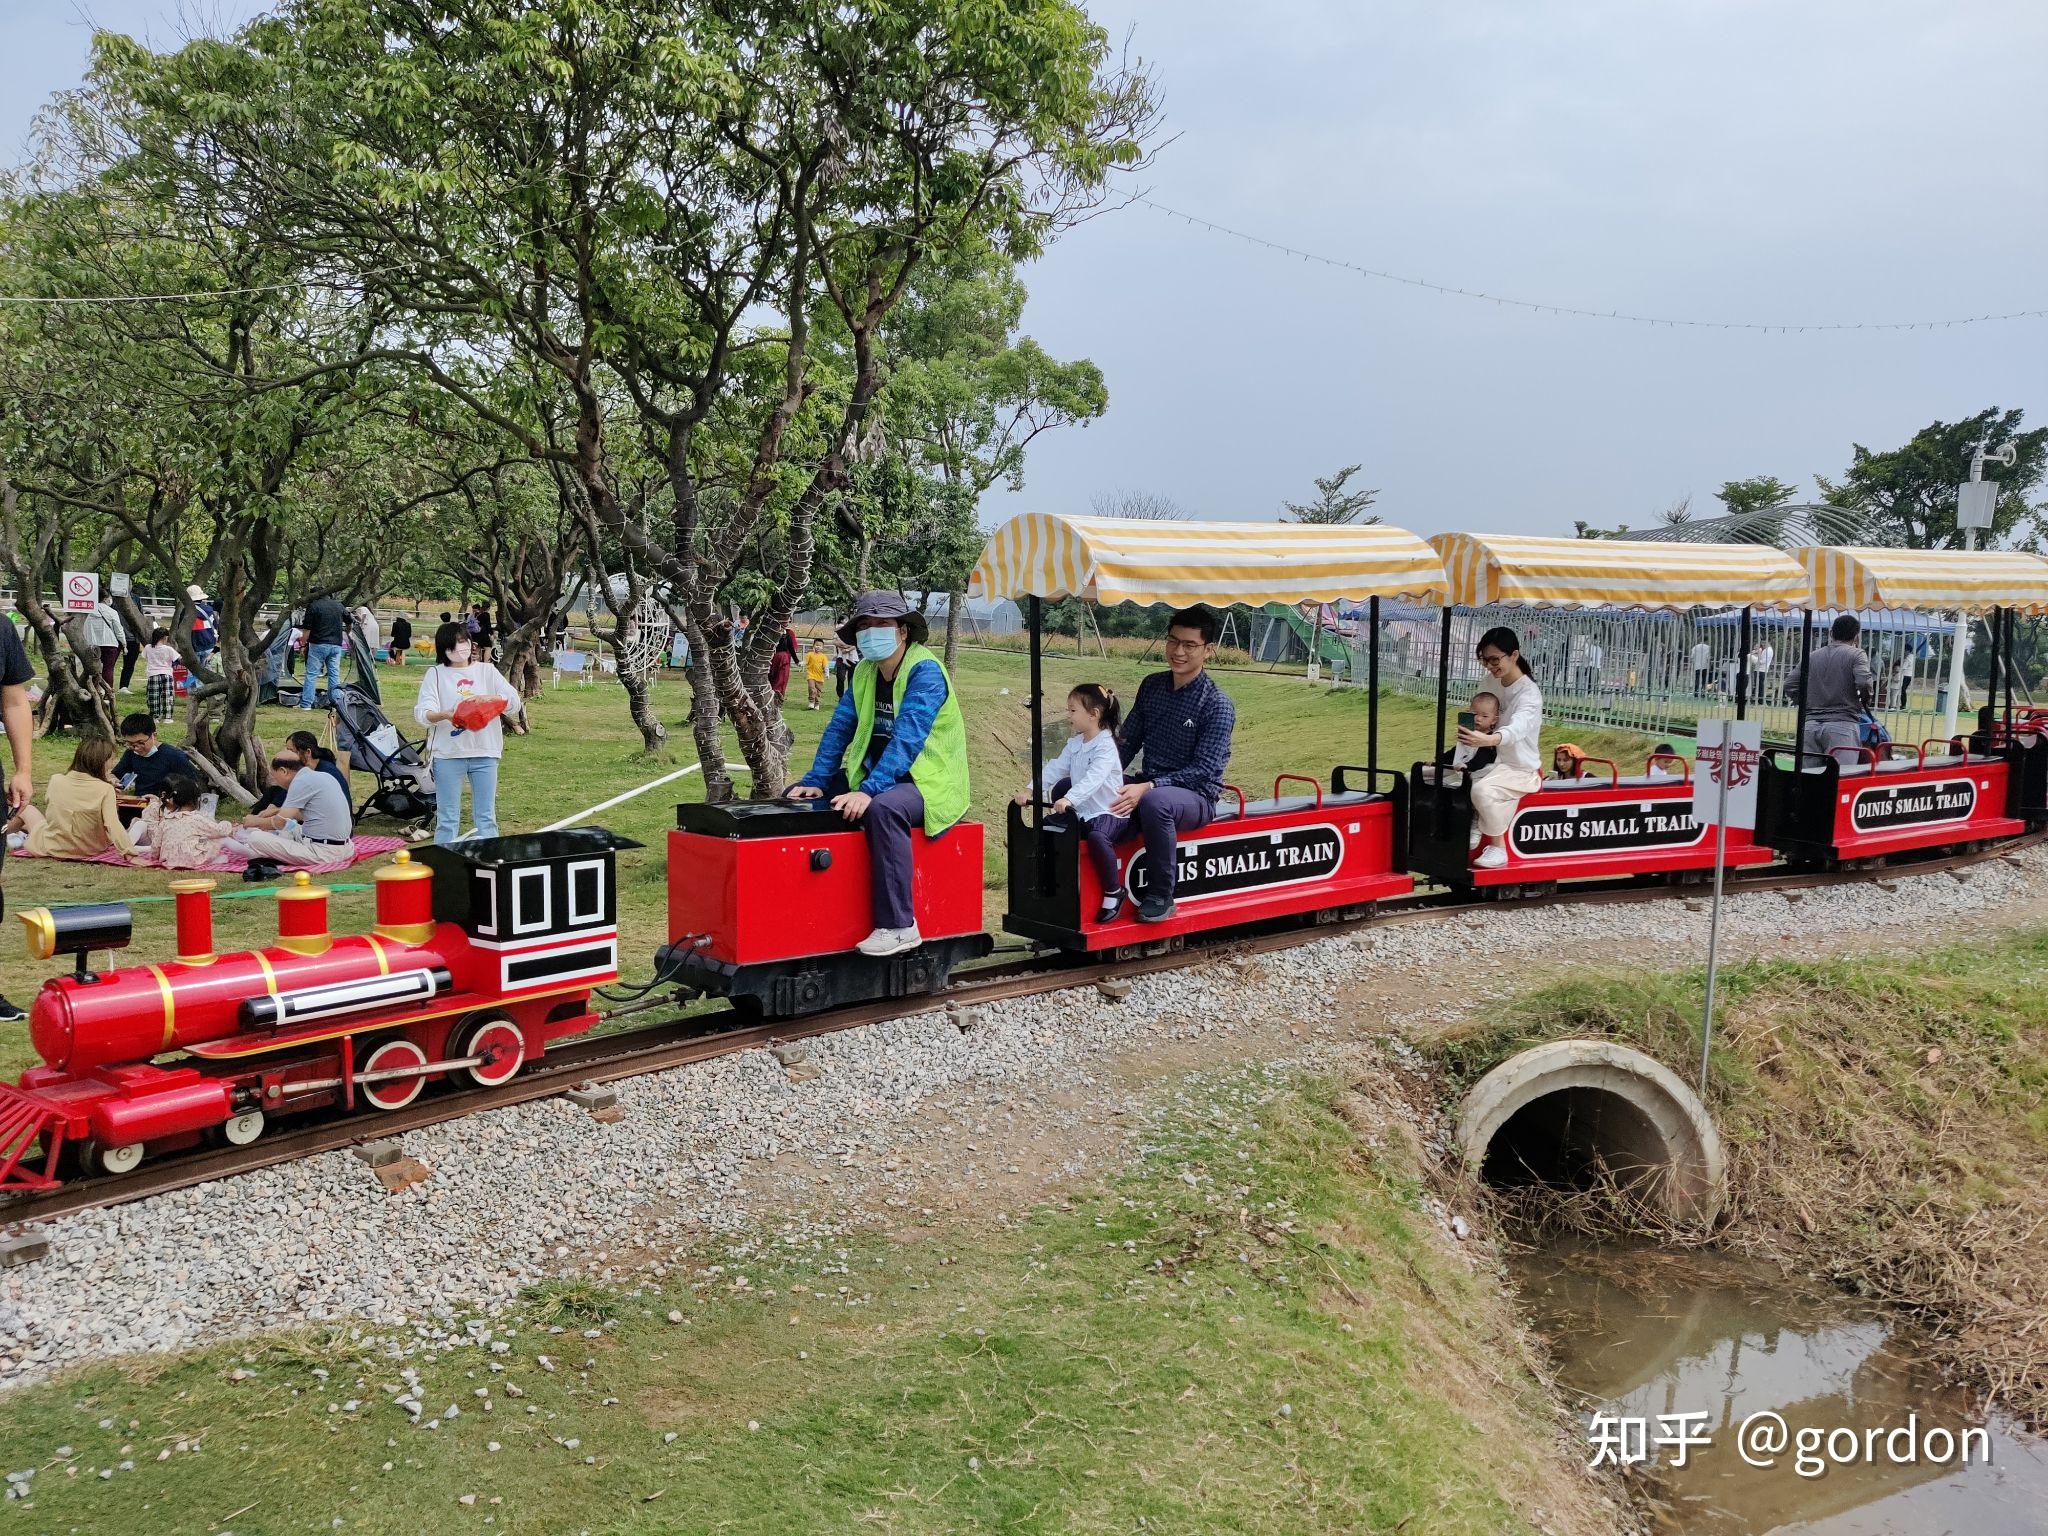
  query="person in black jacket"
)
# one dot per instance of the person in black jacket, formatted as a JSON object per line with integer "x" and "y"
{"x": 401, "y": 638}
{"x": 326, "y": 637}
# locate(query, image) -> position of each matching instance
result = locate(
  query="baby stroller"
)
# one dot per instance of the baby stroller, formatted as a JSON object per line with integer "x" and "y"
{"x": 405, "y": 786}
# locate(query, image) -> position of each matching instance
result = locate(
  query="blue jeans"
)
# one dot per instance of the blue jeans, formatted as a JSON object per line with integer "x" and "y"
{"x": 321, "y": 658}
{"x": 482, "y": 774}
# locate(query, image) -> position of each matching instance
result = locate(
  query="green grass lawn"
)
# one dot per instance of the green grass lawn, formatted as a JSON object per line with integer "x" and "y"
{"x": 584, "y": 750}
{"x": 1252, "y": 1331}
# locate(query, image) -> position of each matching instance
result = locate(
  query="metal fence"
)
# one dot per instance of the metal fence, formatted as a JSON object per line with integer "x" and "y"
{"x": 1657, "y": 673}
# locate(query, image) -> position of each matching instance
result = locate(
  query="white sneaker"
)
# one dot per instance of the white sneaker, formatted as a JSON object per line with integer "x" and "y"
{"x": 1495, "y": 857}
{"x": 1473, "y": 841}
{"x": 884, "y": 942}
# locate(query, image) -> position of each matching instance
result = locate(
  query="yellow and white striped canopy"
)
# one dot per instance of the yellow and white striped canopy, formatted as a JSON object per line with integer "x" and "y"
{"x": 1118, "y": 560}
{"x": 1943, "y": 580}
{"x": 1487, "y": 568}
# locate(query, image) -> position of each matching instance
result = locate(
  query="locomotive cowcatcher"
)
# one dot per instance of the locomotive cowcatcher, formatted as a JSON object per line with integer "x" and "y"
{"x": 481, "y": 956}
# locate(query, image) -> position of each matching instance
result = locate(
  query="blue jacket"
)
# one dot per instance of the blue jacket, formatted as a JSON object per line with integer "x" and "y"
{"x": 919, "y": 693}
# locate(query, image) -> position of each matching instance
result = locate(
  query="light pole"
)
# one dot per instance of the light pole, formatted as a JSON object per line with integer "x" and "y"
{"x": 1973, "y": 511}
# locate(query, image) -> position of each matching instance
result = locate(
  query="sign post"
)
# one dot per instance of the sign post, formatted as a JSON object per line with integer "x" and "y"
{"x": 1976, "y": 502}
{"x": 81, "y": 591}
{"x": 1724, "y": 780}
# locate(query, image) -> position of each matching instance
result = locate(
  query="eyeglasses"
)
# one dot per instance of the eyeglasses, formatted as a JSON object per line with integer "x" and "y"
{"x": 1185, "y": 645}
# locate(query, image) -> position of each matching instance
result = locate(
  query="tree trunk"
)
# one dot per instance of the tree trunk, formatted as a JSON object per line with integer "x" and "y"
{"x": 953, "y": 602}
{"x": 653, "y": 734}
{"x": 522, "y": 666}
{"x": 705, "y": 715}
{"x": 76, "y": 696}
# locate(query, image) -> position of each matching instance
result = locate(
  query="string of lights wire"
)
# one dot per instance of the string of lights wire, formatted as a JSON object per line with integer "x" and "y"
{"x": 1577, "y": 312}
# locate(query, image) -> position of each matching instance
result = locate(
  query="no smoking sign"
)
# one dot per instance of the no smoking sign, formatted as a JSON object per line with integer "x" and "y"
{"x": 81, "y": 591}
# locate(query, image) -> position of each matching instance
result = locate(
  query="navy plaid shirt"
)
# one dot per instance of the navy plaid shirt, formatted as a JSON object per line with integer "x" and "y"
{"x": 1183, "y": 733}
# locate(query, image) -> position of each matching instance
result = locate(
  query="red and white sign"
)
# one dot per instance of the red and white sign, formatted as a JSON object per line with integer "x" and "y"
{"x": 81, "y": 591}
{"x": 1730, "y": 750}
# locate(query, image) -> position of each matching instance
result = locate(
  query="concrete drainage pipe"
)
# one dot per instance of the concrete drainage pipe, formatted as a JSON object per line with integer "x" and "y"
{"x": 1556, "y": 1111}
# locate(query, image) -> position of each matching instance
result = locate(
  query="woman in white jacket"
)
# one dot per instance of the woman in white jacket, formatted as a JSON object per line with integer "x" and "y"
{"x": 1517, "y": 742}
{"x": 463, "y": 755}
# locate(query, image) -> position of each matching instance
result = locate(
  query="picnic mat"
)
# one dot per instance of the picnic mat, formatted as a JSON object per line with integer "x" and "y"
{"x": 233, "y": 861}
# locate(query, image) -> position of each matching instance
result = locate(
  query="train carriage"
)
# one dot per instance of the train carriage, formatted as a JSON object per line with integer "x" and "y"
{"x": 1819, "y": 809}
{"x": 1610, "y": 824}
{"x": 1316, "y": 850}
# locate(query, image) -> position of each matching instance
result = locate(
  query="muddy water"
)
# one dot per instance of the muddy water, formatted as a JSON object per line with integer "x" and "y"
{"x": 1640, "y": 1334}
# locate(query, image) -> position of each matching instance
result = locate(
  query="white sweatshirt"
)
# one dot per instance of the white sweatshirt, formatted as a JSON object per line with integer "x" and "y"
{"x": 1521, "y": 726}
{"x": 1097, "y": 769}
{"x": 445, "y": 687}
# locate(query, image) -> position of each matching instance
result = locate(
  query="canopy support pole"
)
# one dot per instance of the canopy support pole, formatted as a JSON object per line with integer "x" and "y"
{"x": 1995, "y": 623}
{"x": 1032, "y": 617}
{"x": 2012, "y": 620}
{"x": 1742, "y": 671}
{"x": 1443, "y": 699}
{"x": 1800, "y": 672}
{"x": 1372, "y": 706}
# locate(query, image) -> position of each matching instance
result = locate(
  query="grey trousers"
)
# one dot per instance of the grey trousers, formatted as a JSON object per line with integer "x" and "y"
{"x": 1841, "y": 737}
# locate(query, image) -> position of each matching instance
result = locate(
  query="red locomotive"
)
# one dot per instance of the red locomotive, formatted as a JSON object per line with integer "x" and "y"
{"x": 481, "y": 956}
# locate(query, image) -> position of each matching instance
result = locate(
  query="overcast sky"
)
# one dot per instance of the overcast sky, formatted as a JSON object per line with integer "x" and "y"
{"x": 1827, "y": 161}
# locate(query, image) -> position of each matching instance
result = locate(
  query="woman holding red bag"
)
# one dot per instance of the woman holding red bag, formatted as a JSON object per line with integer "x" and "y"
{"x": 460, "y": 701}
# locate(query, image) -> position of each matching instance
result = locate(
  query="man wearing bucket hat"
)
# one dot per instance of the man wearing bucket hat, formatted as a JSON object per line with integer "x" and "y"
{"x": 894, "y": 756}
{"x": 205, "y": 618}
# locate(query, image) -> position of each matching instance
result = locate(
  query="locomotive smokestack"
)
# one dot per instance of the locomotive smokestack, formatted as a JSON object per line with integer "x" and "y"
{"x": 302, "y": 917}
{"x": 195, "y": 921}
{"x": 405, "y": 901}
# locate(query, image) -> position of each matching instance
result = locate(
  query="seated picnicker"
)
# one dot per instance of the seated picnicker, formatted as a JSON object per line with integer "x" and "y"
{"x": 311, "y": 826}
{"x": 147, "y": 762}
{"x": 1181, "y": 724}
{"x": 893, "y": 756}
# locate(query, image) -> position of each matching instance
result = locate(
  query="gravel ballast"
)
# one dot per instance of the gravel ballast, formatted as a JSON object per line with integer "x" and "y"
{"x": 1028, "y": 1092}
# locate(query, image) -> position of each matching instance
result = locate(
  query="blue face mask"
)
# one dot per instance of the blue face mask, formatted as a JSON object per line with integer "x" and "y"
{"x": 876, "y": 644}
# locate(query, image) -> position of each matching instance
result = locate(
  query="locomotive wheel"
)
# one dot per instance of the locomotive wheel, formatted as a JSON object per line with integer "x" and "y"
{"x": 501, "y": 1039}
{"x": 243, "y": 1129}
{"x": 115, "y": 1159}
{"x": 397, "y": 1092}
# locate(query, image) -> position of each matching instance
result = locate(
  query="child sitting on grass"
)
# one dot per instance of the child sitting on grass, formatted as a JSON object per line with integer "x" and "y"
{"x": 175, "y": 831}
{"x": 1085, "y": 778}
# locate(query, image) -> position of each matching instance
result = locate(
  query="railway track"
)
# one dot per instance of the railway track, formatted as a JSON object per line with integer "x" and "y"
{"x": 705, "y": 1037}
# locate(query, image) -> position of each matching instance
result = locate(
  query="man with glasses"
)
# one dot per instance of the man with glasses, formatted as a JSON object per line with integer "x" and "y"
{"x": 1180, "y": 723}
{"x": 147, "y": 762}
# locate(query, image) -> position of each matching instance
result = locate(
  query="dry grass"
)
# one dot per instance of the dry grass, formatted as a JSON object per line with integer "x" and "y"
{"x": 1884, "y": 1121}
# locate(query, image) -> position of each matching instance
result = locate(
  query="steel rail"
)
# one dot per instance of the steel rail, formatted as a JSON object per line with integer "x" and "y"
{"x": 706, "y": 1037}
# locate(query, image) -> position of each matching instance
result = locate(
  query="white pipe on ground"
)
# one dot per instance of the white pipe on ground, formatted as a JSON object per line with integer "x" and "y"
{"x": 605, "y": 805}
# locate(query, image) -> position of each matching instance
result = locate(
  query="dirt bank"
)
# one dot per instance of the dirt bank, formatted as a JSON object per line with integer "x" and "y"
{"x": 1884, "y": 1120}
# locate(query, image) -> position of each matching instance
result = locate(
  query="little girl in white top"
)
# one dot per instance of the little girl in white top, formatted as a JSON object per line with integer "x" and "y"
{"x": 1086, "y": 777}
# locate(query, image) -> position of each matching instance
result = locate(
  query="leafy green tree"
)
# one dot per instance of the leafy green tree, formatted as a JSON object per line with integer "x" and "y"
{"x": 233, "y": 434}
{"x": 1759, "y": 493}
{"x": 710, "y": 210}
{"x": 966, "y": 397}
{"x": 1334, "y": 503}
{"x": 1907, "y": 495}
